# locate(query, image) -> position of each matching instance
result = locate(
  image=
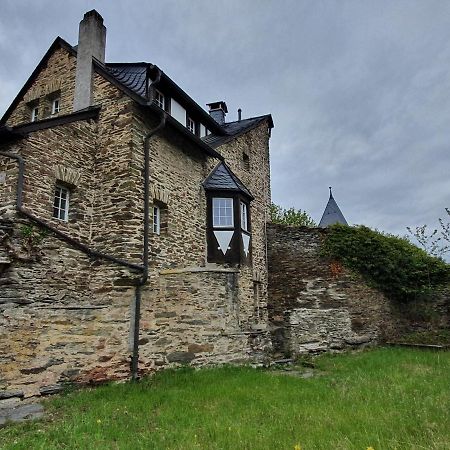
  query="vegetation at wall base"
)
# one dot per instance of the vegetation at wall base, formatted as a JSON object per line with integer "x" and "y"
{"x": 387, "y": 398}
{"x": 392, "y": 264}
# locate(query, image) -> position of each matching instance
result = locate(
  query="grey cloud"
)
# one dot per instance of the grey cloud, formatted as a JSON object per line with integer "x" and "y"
{"x": 359, "y": 90}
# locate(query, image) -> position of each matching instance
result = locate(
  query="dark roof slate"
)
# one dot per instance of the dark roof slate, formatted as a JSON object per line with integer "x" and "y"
{"x": 133, "y": 76}
{"x": 332, "y": 214}
{"x": 234, "y": 129}
{"x": 223, "y": 178}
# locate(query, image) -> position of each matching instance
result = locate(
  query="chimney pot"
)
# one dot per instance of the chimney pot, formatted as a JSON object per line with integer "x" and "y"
{"x": 218, "y": 110}
{"x": 239, "y": 114}
{"x": 91, "y": 44}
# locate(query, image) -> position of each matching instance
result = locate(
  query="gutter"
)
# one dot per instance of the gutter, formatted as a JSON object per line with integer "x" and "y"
{"x": 138, "y": 290}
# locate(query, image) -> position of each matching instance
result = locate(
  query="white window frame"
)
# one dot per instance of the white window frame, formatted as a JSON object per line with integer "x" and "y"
{"x": 244, "y": 216}
{"x": 160, "y": 99}
{"x": 56, "y": 103}
{"x": 156, "y": 220}
{"x": 34, "y": 113}
{"x": 222, "y": 205}
{"x": 190, "y": 125}
{"x": 61, "y": 200}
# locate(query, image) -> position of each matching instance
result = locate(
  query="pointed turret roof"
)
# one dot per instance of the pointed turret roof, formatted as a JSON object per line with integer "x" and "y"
{"x": 332, "y": 214}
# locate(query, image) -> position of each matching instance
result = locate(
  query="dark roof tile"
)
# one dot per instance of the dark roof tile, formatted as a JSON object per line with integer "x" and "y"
{"x": 222, "y": 178}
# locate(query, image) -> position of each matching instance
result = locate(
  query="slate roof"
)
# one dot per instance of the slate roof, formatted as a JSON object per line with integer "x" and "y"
{"x": 332, "y": 214}
{"x": 222, "y": 178}
{"x": 133, "y": 76}
{"x": 234, "y": 129}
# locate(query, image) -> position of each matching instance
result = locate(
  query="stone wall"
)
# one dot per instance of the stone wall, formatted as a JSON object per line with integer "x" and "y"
{"x": 317, "y": 305}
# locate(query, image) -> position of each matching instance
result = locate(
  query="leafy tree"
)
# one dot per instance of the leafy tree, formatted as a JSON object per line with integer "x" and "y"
{"x": 291, "y": 216}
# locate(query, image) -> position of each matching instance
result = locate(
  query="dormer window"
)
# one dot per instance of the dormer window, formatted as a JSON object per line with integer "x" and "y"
{"x": 160, "y": 99}
{"x": 190, "y": 124}
{"x": 34, "y": 113}
{"x": 55, "y": 106}
{"x": 228, "y": 217}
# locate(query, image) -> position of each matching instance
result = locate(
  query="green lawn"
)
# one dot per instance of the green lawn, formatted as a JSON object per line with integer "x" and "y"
{"x": 385, "y": 398}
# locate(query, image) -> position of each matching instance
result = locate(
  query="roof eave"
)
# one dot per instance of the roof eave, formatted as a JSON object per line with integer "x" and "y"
{"x": 184, "y": 131}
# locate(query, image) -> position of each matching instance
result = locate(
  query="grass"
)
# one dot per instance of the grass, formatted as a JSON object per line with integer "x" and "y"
{"x": 387, "y": 398}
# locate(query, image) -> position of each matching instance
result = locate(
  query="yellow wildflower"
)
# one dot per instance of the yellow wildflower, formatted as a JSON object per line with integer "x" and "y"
{"x": 370, "y": 448}
{"x": 297, "y": 447}
{"x": 99, "y": 421}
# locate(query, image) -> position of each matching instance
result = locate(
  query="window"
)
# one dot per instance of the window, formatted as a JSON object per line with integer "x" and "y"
{"x": 159, "y": 99}
{"x": 222, "y": 212}
{"x": 244, "y": 216}
{"x": 55, "y": 106}
{"x": 156, "y": 220}
{"x": 190, "y": 124}
{"x": 61, "y": 203}
{"x": 34, "y": 114}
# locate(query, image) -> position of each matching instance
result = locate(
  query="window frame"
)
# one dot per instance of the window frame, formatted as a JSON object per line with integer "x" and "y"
{"x": 156, "y": 220}
{"x": 243, "y": 213}
{"x": 35, "y": 113}
{"x": 56, "y": 106}
{"x": 58, "y": 209}
{"x": 230, "y": 208}
{"x": 160, "y": 99}
{"x": 189, "y": 122}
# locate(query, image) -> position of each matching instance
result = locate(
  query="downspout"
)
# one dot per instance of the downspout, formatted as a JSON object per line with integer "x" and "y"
{"x": 143, "y": 280}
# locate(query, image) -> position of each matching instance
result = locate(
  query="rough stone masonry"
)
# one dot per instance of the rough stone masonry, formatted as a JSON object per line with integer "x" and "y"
{"x": 66, "y": 316}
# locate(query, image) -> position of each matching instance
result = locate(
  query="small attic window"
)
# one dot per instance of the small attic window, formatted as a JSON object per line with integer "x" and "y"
{"x": 34, "y": 113}
{"x": 55, "y": 106}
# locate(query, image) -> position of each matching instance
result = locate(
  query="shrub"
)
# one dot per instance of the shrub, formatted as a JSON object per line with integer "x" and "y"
{"x": 392, "y": 264}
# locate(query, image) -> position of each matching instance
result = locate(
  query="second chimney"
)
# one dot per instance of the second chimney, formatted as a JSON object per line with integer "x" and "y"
{"x": 91, "y": 44}
{"x": 217, "y": 111}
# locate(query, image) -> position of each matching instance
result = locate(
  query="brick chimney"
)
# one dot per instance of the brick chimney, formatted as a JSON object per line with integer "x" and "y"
{"x": 91, "y": 44}
{"x": 217, "y": 111}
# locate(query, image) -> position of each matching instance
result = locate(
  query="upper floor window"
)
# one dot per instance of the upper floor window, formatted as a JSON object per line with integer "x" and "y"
{"x": 160, "y": 99}
{"x": 244, "y": 216}
{"x": 223, "y": 212}
{"x": 35, "y": 114}
{"x": 55, "y": 106}
{"x": 61, "y": 203}
{"x": 190, "y": 124}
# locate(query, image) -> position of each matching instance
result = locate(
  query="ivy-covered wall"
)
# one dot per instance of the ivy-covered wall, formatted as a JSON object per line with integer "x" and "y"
{"x": 316, "y": 304}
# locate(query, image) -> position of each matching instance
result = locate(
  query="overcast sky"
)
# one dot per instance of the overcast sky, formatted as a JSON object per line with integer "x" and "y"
{"x": 359, "y": 90}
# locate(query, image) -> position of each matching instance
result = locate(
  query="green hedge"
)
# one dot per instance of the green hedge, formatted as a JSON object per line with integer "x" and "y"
{"x": 390, "y": 263}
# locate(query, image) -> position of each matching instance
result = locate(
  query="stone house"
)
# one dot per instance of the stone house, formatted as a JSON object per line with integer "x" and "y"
{"x": 132, "y": 223}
